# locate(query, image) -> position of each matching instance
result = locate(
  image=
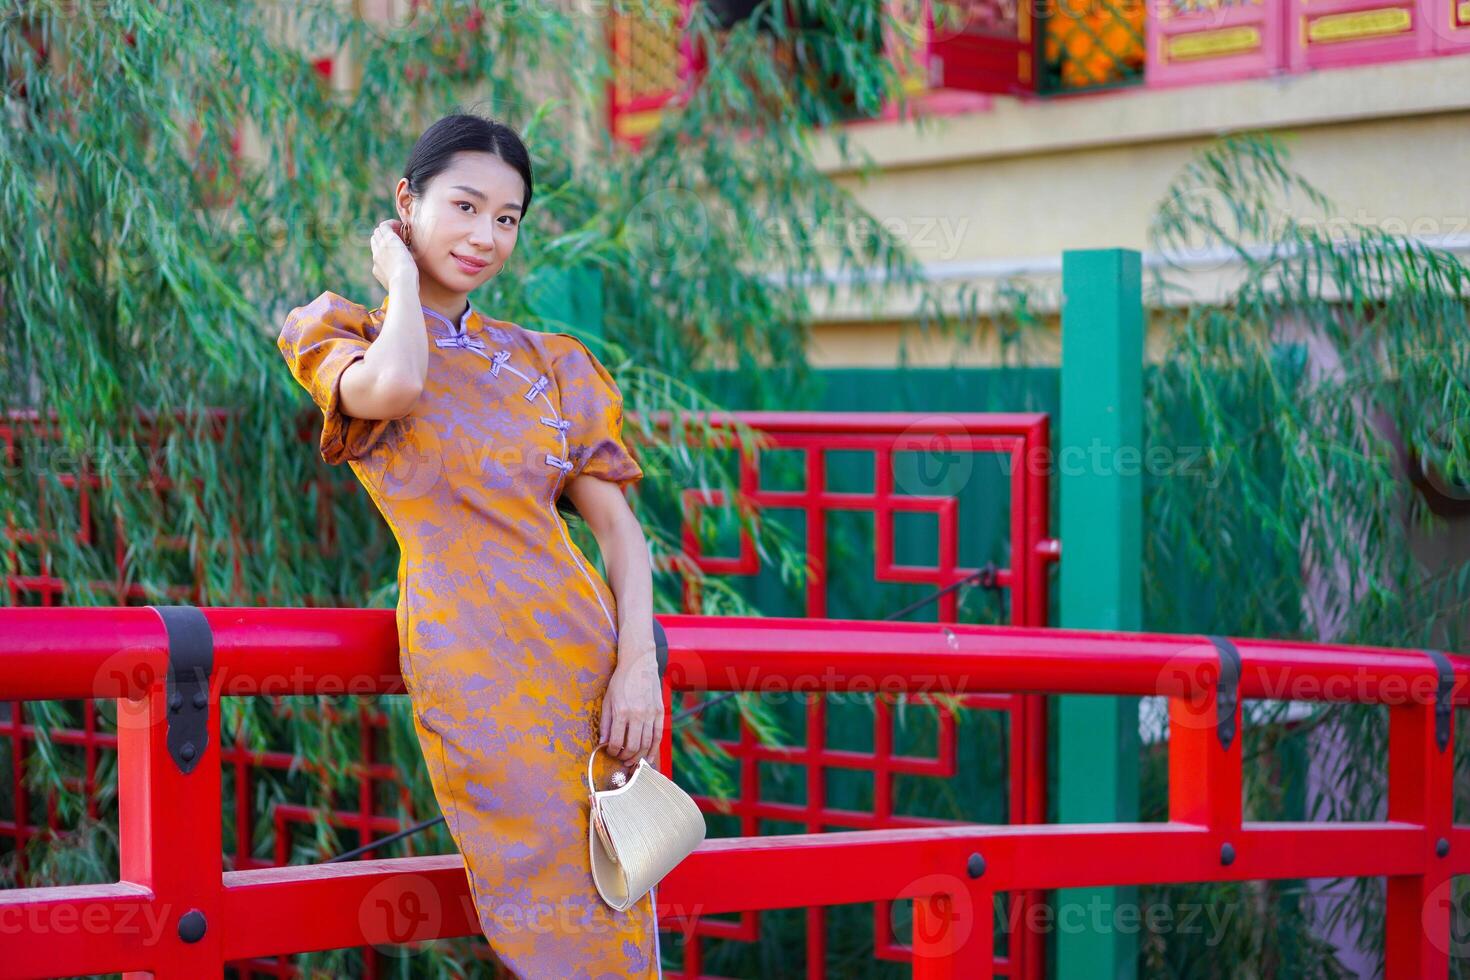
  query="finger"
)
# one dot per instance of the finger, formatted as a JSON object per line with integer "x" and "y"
{"x": 618, "y": 737}
{"x": 635, "y": 740}
{"x": 645, "y": 740}
{"x": 634, "y": 744}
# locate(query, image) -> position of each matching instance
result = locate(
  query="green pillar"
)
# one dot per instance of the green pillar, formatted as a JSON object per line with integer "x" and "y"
{"x": 1100, "y": 481}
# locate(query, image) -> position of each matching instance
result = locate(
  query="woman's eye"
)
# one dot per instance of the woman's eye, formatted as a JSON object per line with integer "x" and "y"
{"x": 467, "y": 204}
{"x": 511, "y": 220}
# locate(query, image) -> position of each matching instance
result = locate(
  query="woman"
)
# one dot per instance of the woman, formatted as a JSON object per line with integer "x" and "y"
{"x": 518, "y": 657}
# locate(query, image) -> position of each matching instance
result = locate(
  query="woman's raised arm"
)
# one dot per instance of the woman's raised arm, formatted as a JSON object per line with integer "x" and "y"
{"x": 388, "y": 380}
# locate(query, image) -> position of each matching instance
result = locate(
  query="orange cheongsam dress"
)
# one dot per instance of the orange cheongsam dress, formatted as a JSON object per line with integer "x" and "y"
{"x": 507, "y": 634}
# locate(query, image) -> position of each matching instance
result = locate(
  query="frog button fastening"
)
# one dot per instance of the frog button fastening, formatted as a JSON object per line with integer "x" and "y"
{"x": 462, "y": 341}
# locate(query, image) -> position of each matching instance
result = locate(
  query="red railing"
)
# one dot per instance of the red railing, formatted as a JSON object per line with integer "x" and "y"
{"x": 176, "y": 912}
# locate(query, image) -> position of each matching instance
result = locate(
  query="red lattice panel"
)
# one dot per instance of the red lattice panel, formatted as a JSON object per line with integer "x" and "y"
{"x": 1023, "y": 439}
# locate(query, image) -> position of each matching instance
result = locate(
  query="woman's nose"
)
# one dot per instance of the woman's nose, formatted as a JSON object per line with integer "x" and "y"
{"x": 483, "y": 237}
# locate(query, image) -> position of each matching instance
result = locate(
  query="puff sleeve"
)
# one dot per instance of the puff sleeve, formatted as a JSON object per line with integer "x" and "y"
{"x": 593, "y": 404}
{"x": 320, "y": 341}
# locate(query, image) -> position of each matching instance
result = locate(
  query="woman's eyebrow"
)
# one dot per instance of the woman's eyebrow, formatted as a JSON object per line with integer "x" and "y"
{"x": 481, "y": 197}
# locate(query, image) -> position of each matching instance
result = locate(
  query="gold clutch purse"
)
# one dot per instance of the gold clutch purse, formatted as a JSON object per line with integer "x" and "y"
{"x": 639, "y": 831}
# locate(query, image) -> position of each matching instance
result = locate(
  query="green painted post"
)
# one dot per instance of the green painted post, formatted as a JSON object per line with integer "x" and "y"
{"x": 1100, "y": 488}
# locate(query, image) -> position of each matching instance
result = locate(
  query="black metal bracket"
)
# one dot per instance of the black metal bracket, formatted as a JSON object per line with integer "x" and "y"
{"x": 661, "y": 648}
{"x": 190, "y": 663}
{"x": 1443, "y": 698}
{"x": 1227, "y": 691}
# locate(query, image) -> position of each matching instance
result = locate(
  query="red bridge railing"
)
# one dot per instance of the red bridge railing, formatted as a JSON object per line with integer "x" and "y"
{"x": 175, "y": 912}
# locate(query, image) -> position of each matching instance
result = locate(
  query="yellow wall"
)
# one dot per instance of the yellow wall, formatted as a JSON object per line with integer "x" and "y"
{"x": 1007, "y": 189}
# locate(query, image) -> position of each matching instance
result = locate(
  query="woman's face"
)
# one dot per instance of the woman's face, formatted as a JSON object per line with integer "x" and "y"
{"x": 465, "y": 225}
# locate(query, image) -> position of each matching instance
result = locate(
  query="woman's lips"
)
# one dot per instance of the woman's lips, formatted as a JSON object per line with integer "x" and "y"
{"x": 470, "y": 266}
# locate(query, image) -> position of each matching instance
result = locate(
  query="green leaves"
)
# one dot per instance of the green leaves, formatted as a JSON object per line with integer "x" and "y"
{"x": 1334, "y": 353}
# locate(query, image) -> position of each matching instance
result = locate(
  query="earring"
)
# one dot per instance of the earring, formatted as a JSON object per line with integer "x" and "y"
{"x": 408, "y": 234}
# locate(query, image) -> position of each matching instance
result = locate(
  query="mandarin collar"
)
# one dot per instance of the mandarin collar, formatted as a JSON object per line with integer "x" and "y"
{"x": 469, "y": 321}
